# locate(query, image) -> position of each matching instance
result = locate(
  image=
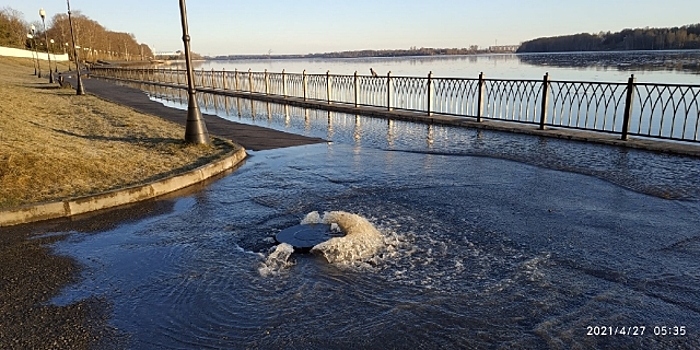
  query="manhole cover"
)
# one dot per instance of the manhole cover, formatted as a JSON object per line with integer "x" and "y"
{"x": 304, "y": 237}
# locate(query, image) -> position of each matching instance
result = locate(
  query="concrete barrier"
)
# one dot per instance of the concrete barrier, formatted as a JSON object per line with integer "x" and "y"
{"x": 11, "y": 52}
{"x": 110, "y": 199}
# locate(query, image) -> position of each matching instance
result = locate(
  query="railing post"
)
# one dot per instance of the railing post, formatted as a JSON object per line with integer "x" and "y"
{"x": 267, "y": 83}
{"x": 545, "y": 102}
{"x": 628, "y": 108}
{"x": 480, "y": 106}
{"x": 328, "y": 86}
{"x": 235, "y": 80}
{"x": 250, "y": 80}
{"x": 357, "y": 90}
{"x": 388, "y": 91}
{"x": 213, "y": 81}
{"x": 223, "y": 78}
{"x": 284, "y": 84}
{"x": 203, "y": 77}
{"x": 303, "y": 82}
{"x": 431, "y": 90}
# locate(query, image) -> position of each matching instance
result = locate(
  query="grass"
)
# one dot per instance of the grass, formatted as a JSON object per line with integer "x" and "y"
{"x": 56, "y": 145}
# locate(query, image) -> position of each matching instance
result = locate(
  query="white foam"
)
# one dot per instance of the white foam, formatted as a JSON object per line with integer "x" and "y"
{"x": 361, "y": 241}
{"x": 277, "y": 261}
{"x": 311, "y": 218}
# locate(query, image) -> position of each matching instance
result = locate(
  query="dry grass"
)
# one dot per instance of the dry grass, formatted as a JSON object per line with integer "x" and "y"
{"x": 56, "y": 145}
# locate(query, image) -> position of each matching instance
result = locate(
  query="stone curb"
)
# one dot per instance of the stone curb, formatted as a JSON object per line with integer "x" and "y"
{"x": 114, "y": 198}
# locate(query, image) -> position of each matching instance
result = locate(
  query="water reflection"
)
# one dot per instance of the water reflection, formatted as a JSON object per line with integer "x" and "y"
{"x": 633, "y": 61}
{"x": 645, "y": 172}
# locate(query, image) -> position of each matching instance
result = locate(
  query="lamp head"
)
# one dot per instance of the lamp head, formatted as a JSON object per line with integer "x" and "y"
{"x": 42, "y": 13}
{"x": 33, "y": 29}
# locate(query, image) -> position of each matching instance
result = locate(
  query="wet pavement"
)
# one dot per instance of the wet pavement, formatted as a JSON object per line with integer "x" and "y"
{"x": 488, "y": 240}
{"x": 249, "y": 136}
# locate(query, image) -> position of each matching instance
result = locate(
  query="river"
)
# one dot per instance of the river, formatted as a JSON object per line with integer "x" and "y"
{"x": 484, "y": 240}
{"x": 677, "y": 67}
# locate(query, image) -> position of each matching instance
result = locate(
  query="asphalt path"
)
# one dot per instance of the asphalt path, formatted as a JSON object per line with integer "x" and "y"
{"x": 251, "y": 137}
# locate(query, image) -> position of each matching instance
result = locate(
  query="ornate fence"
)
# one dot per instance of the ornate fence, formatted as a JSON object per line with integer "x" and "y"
{"x": 666, "y": 111}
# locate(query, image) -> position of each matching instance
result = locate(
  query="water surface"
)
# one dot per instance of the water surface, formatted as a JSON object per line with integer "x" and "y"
{"x": 488, "y": 240}
{"x": 679, "y": 67}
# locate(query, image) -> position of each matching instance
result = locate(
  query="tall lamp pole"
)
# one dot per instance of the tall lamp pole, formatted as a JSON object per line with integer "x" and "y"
{"x": 79, "y": 90}
{"x": 195, "y": 128}
{"x": 34, "y": 58}
{"x": 38, "y": 63}
{"x": 42, "y": 13}
{"x": 55, "y": 64}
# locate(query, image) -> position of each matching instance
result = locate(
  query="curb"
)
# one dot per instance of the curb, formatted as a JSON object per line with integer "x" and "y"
{"x": 81, "y": 205}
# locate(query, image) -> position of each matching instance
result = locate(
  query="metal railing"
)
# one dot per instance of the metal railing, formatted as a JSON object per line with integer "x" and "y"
{"x": 665, "y": 111}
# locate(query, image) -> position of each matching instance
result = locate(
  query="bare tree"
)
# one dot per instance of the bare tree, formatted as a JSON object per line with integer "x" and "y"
{"x": 14, "y": 28}
{"x": 95, "y": 41}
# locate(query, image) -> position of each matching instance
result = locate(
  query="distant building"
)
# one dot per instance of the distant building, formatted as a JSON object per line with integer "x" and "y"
{"x": 169, "y": 55}
{"x": 504, "y": 48}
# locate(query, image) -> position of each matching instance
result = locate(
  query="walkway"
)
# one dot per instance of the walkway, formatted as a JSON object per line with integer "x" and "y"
{"x": 251, "y": 137}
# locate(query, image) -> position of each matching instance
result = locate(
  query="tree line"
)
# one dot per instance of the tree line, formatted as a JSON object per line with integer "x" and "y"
{"x": 676, "y": 38}
{"x": 95, "y": 41}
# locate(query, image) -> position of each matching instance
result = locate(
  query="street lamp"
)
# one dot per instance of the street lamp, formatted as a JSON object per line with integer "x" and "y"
{"x": 195, "y": 128}
{"x": 42, "y": 13}
{"x": 79, "y": 90}
{"x": 34, "y": 58}
{"x": 54, "y": 56}
{"x": 38, "y": 63}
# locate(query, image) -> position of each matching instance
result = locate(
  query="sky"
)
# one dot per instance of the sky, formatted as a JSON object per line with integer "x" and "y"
{"x": 315, "y": 26}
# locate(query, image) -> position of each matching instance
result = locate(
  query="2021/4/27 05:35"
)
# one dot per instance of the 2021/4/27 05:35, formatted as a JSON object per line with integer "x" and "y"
{"x": 661, "y": 331}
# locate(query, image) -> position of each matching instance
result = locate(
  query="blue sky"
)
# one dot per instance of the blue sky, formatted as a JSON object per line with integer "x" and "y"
{"x": 307, "y": 26}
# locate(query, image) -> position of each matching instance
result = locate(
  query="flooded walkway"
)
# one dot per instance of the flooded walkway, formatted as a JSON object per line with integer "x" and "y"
{"x": 249, "y": 136}
{"x": 486, "y": 239}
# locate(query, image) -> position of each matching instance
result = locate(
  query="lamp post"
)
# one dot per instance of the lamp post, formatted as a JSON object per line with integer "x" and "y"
{"x": 55, "y": 67}
{"x": 195, "y": 128}
{"x": 42, "y": 13}
{"x": 38, "y": 63}
{"x": 34, "y": 58}
{"x": 79, "y": 90}
{"x": 67, "y": 52}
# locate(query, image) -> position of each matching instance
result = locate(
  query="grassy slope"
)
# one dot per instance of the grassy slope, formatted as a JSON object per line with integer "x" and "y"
{"x": 55, "y": 145}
